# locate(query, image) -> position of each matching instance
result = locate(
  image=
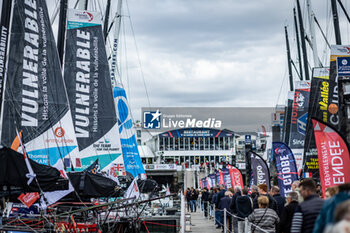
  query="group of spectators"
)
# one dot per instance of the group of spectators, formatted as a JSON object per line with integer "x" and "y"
{"x": 302, "y": 210}
{"x": 191, "y": 198}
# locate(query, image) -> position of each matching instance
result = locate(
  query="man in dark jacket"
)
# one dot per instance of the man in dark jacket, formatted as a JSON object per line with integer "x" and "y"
{"x": 281, "y": 201}
{"x": 205, "y": 199}
{"x": 188, "y": 199}
{"x": 262, "y": 189}
{"x": 225, "y": 203}
{"x": 220, "y": 195}
{"x": 306, "y": 212}
{"x": 233, "y": 206}
{"x": 194, "y": 197}
{"x": 244, "y": 207}
{"x": 288, "y": 212}
{"x": 255, "y": 192}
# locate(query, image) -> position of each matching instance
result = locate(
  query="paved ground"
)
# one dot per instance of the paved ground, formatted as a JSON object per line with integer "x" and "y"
{"x": 201, "y": 224}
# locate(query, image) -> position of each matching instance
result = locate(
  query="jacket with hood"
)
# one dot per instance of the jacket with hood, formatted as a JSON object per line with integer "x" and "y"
{"x": 244, "y": 206}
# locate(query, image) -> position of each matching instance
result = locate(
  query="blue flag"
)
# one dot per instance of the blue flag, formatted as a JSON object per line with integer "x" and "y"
{"x": 285, "y": 167}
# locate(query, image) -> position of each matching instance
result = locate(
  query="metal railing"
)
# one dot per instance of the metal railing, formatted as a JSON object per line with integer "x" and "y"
{"x": 247, "y": 225}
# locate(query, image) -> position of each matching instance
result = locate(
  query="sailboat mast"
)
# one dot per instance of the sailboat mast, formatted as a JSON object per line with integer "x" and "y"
{"x": 303, "y": 44}
{"x": 105, "y": 27}
{"x": 117, "y": 23}
{"x": 298, "y": 43}
{"x": 336, "y": 22}
{"x": 62, "y": 29}
{"x": 289, "y": 61}
{"x": 317, "y": 62}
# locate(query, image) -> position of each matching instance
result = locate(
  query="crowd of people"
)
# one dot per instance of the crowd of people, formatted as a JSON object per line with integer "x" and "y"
{"x": 302, "y": 210}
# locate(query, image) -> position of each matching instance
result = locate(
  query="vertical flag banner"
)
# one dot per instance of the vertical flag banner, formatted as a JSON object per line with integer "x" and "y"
{"x": 227, "y": 178}
{"x": 236, "y": 177}
{"x": 213, "y": 180}
{"x": 299, "y": 121}
{"x": 333, "y": 154}
{"x": 260, "y": 170}
{"x": 285, "y": 167}
{"x": 288, "y": 117}
{"x": 318, "y": 109}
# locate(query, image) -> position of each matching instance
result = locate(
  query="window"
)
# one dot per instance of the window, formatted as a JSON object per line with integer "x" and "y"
{"x": 139, "y": 142}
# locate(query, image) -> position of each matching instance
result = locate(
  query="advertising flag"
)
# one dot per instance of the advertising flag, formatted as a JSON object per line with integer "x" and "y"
{"x": 299, "y": 120}
{"x": 318, "y": 109}
{"x": 236, "y": 177}
{"x": 333, "y": 155}
{"x": 260, "y": 170}
{"x": 212, "y": 179}
{"x": 227, "y": 178}
{"x": 285, "y": 167}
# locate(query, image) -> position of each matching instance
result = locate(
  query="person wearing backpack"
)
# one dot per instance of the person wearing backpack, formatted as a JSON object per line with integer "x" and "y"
{"x": 244, "y": 207}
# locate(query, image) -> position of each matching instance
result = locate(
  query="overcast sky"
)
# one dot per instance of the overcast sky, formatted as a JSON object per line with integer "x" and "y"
{"x": 227, "y": 53}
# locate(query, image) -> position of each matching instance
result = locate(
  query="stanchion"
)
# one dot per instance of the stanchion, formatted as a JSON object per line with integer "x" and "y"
{"x": 225, "y": 222}
{"x": 208, "y": 210}
{"x": 182, "y": 221}
{"x": 246, "y": 226}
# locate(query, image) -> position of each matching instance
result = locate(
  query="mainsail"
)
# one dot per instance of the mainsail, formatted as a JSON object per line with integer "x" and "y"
{"x": 89, "y": 89}
{"x": 35, "y": 101}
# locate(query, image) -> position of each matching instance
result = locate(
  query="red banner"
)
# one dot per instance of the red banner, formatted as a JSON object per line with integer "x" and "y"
{"x": 236, "y": 177}
{"x": 333, "y": 156}
{"x": 28, "y": 199}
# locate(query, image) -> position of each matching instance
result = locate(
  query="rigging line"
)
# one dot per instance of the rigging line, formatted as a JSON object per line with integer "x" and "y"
{"x": 295, "y": 68}
{"x": 324, "y": 36}
{"x": 55, "y": 13}
{"x": 284, "y": 78}
{"x": 344, "y": 10}
{"x": 138, "y": 54}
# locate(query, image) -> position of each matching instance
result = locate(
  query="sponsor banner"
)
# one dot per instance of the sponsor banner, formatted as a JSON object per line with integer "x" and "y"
{"x": 286, "y": 168}
{"x": 4, "y": 35}
{"x": 260, "y": 170}
{"x": 193, "y": 132}
{"x": 160, "y": 166}
{"x": 212, "y": 179}
{"x": 299, "y": 120}
{"x": 333, "y": 154}
{"x": 29, "y": 199}
{"x": 318, "y": 108}
{"x": 131, "y": 154}
{"x": 227, "y": 178}
{"x": 236, "y": 177}
{"x": 219, "y": 177}
{"x": 334, "y": 117}
{"x": 209, "y": 184}
{"x": 343, "y": 66}
{"x": 89, "y": 89}
{"x": 204, "y": 183}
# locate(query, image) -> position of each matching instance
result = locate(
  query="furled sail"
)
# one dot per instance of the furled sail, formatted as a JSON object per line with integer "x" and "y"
{"x": 87, "y": 79}
{"x": 131, "y": 155}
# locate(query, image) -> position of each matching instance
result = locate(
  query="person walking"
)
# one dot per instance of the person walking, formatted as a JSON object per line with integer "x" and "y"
{"x": 205, "y": 200}
{"x": 306, "y": 212}
{"x": 255, "y": 192}
{"x": 188, "y": 199}
{"x": 288, "y": 212}
{"x": 244, "y": 207}
{"x": 238, "y": 192}
{"x": 194, "y": 197}
{"x": 263, "y": 218}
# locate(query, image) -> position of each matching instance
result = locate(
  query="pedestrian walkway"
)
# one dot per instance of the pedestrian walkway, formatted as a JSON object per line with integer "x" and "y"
{"x": 199, "y": 224}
